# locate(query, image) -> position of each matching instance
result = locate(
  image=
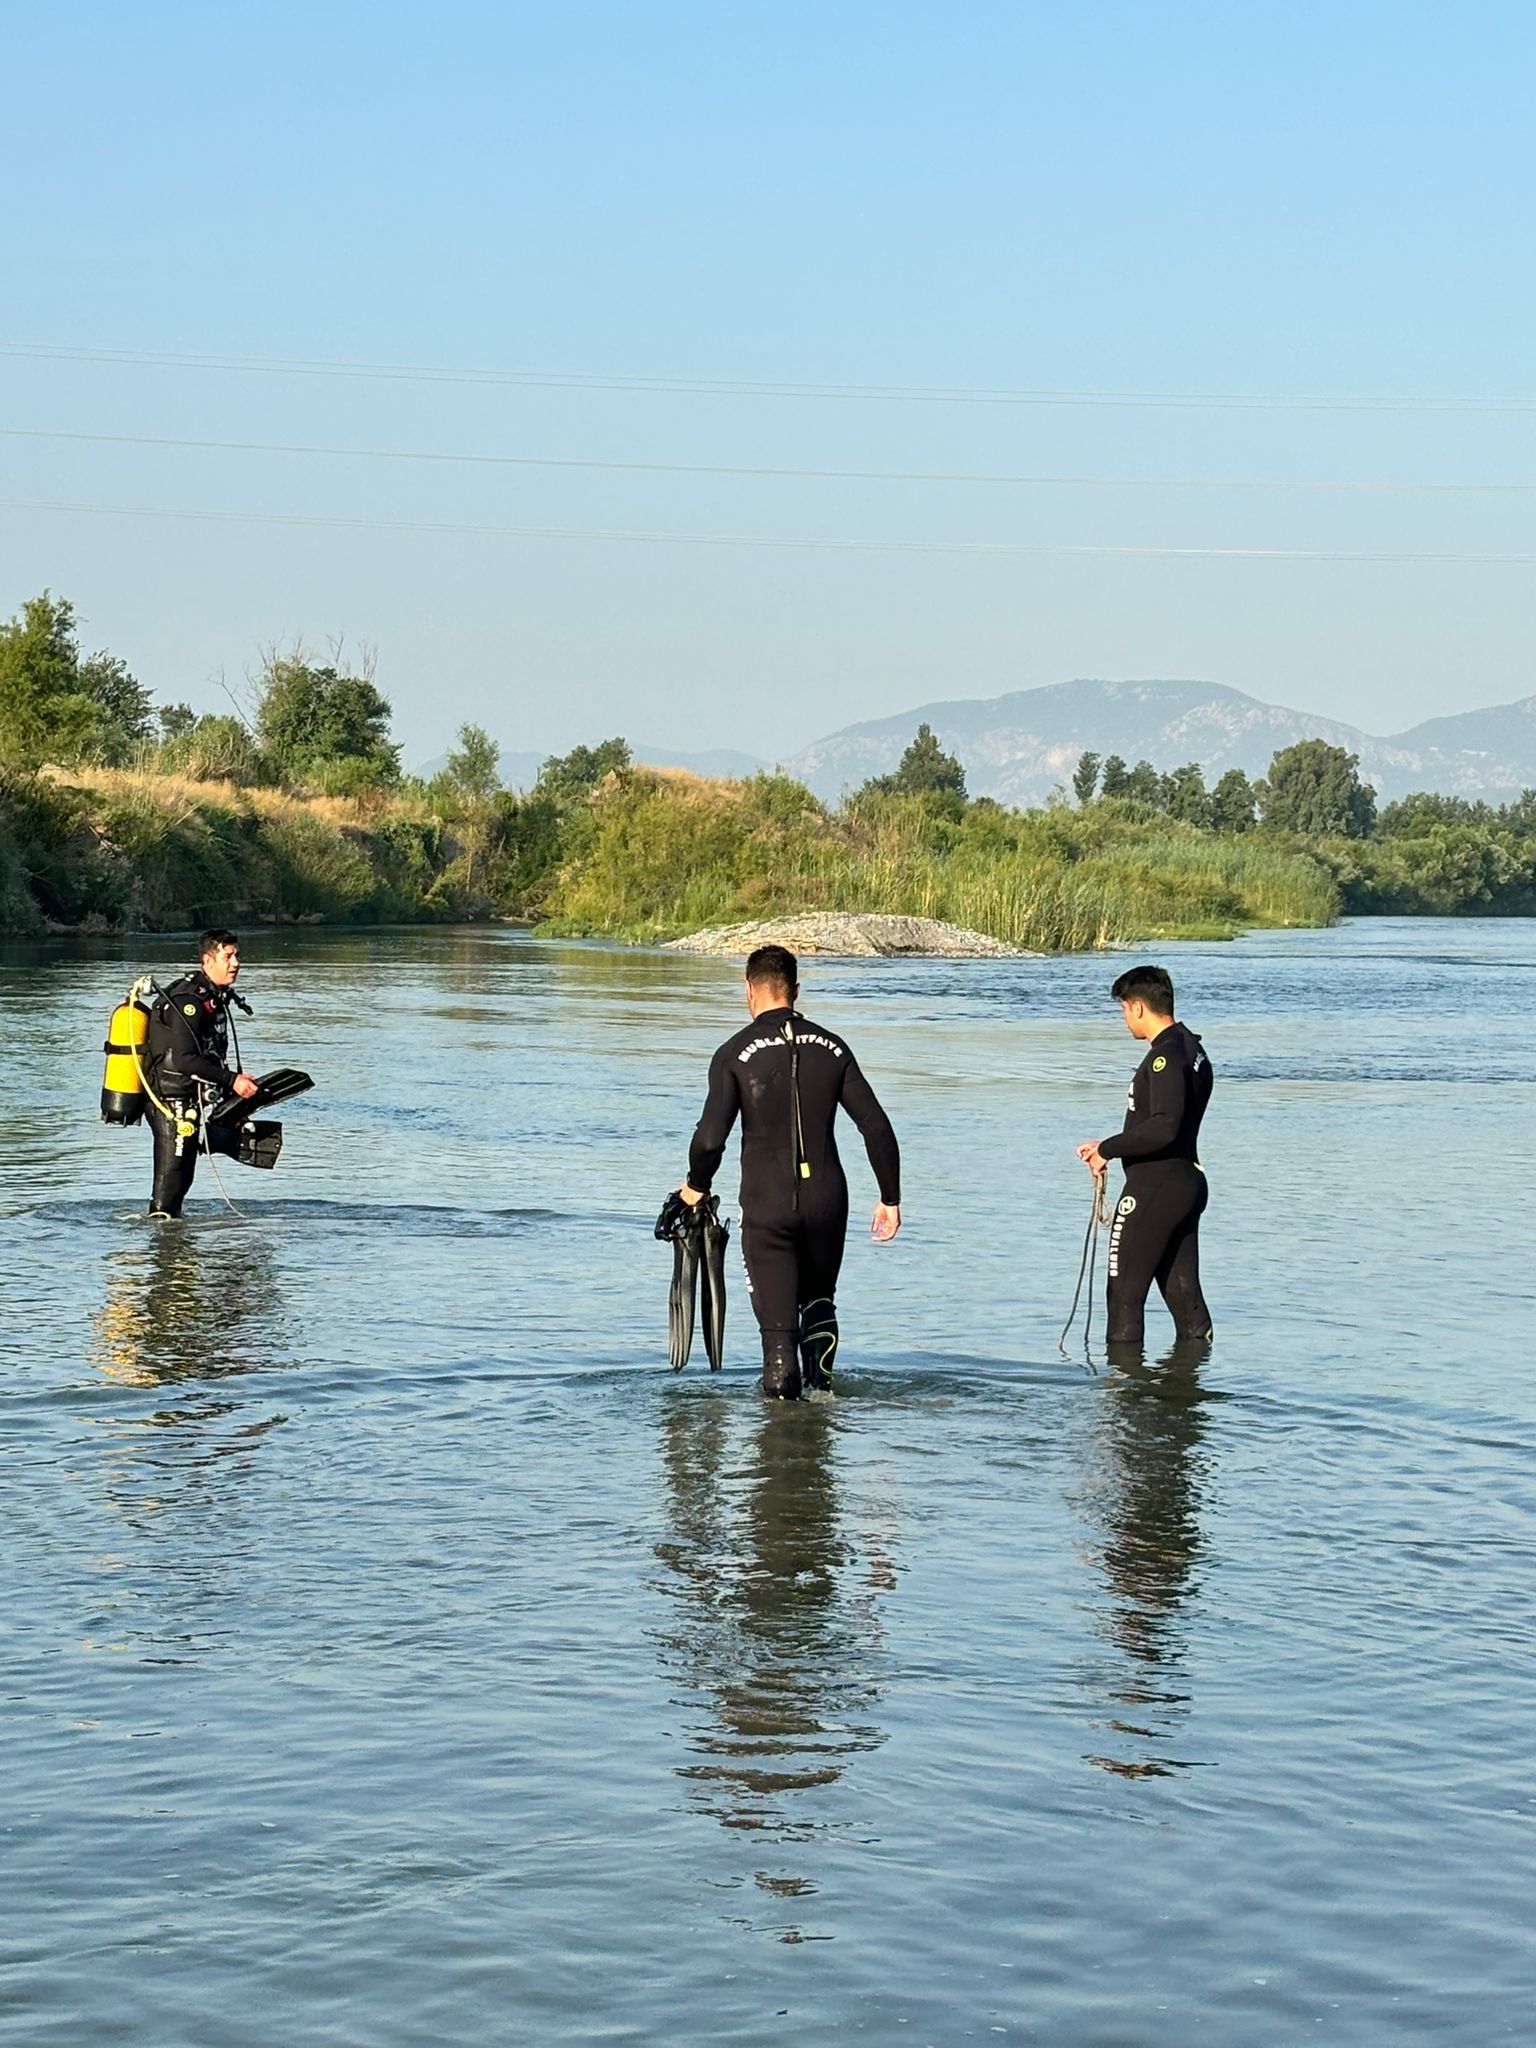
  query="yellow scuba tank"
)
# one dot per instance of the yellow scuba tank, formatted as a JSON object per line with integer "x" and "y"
{"x": 122, "y": 1090}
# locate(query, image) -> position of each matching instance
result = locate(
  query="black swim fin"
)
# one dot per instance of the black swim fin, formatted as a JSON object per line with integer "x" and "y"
{"x": 684, "y": 1228}
{"x": 231, "y": 1111}
{"x": 716, "y": 1236}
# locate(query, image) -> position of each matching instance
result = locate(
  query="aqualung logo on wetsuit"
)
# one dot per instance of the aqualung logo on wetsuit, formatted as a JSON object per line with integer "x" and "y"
{"x": 801, "y": 1038}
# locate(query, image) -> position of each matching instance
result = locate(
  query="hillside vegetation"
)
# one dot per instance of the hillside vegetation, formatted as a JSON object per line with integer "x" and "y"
{"x": 115, "y": 815}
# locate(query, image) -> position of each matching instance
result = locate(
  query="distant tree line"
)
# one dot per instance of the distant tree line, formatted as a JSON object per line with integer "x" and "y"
{"x": 1311, "y": 788}
{"x": 460, "y": 844}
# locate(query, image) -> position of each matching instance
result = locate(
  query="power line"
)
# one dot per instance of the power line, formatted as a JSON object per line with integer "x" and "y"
{"x": 780, "y": 541}
{"x": 741, "y": 469}
{"x": 748, "y": 387}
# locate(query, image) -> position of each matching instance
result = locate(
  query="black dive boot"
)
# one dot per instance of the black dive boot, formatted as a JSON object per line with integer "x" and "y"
{"x": 818, "y": 1345}
{"x": 781, "y": 1367}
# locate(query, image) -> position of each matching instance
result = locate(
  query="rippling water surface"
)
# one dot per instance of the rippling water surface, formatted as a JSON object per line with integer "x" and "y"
{"x": 396, "y": 1653}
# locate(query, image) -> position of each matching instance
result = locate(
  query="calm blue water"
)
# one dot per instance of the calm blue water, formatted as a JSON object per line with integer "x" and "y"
{"x": 396, "y": 1653}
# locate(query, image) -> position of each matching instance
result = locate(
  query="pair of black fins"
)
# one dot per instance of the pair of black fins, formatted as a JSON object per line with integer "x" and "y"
{"x": 231, "y": 1125}
{"x": 698, "y": 1239}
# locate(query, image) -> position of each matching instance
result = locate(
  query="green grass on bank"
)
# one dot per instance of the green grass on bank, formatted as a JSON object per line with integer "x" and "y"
{"x": 665, "y": 854}
{"x": 650, "y": 854}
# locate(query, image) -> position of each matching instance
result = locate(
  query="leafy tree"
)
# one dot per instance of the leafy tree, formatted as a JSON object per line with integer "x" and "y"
{"x": 309, "y": 718}
{"x": 176, "y": 721}
{"x": 1315, "y": 789}
{"x": 1186, "y": 797}
{"x": 124, "y": 719}
{"x": 1232, "y": 803}
{"x": 926, "y": 770}
{"x": 1145, "y": 785}
{"x": 56, "y": 705}
{"x": 566, "y": 778}
{"x": 1411, "y": 817}
{"x": 1085, "y": 777}
{"x": 475, "y": 769}
{"x": 1116, "y": 779}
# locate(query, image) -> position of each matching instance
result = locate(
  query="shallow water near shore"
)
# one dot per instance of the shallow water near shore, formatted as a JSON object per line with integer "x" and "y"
{"x": 396, "y": 1652}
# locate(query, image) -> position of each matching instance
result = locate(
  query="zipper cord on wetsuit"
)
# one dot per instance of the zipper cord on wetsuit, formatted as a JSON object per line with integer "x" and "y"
{"x": 799, "y": 1162}
{"x": 1099, "y": 1218}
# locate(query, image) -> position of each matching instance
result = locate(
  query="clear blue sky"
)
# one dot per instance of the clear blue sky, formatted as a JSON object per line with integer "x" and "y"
{"x": 1287, "y": 199}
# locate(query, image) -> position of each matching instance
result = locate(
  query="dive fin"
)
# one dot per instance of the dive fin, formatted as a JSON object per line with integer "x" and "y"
{"x": 233, "y": 1110}
{"x": 716, "y": 1235}
{"x": 682, "y": 1225}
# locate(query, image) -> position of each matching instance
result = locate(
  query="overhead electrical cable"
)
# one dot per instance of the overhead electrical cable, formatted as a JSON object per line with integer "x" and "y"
{"x": 780, "y": 541}
{"x": 752, "y": 387}
{"x": 743, "y": 469}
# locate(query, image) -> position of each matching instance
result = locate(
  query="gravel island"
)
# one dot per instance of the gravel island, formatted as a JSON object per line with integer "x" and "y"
{"x": 853, "y": 935}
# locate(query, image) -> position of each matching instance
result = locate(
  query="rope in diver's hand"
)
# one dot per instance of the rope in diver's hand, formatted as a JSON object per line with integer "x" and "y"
{"x": 1098, "y": 1219}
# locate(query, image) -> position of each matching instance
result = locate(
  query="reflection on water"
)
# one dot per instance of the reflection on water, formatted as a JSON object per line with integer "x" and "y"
{"x": 509, "y": 1676}
{"x": 779, "y": 1636}
{"x": 185, "y": 1302}
{"x": 1148, "y": 1494}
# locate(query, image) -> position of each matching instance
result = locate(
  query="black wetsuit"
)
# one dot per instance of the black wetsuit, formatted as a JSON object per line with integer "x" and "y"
{"x": 187, "y": 1044}
{"x": 786, "y": 1078}
{"x": 1155, "y": 1235}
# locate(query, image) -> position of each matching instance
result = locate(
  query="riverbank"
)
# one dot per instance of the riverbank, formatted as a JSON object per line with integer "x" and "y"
{"x": 644, "y": 856}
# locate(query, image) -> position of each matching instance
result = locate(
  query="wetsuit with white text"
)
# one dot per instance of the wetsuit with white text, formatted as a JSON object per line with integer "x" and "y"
{"x": 1155, "y": 1235}
{"x": 786, "y": 1078}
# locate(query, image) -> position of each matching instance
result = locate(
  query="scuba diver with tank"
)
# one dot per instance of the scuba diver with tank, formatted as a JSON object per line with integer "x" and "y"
{"x": 168, "y": 1059}
{"x": 786, "y": 1078}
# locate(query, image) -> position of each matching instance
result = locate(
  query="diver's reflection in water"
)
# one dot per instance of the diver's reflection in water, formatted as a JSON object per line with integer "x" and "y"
{"x": 779, "y": 1635}
{"x": 1148, "y": 1507}
{"x": 186, "y": 1307}
{"x": 187, "y": 1303}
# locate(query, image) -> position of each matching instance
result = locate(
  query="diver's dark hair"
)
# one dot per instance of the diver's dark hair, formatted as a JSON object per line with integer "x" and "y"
{"x": 216, "y": 936}
{"x": 1150, "y": 985}
{"x": 773, "y": 967}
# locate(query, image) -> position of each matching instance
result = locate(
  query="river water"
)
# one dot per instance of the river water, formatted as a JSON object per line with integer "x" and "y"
{"x": 395, "y": 1652}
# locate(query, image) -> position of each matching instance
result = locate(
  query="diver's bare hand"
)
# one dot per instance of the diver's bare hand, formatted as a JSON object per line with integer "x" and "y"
{"x": 245, "y": 1084}
{"x": 690, "y": 1195}
{"x": 1092, "y": 1157}
{"x": 885, "y": 1222}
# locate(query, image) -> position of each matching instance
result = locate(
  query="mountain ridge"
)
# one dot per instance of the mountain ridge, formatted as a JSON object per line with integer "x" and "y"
{"x": 1020, "y": 745}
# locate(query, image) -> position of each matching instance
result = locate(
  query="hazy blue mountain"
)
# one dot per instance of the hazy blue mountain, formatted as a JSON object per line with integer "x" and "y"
{"x": 1020, "y": 746}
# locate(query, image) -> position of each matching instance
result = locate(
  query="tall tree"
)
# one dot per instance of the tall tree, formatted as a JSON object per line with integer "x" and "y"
{"x": 1145, "y": 784}
{"x": 1186, "y": 797}
{"x": 1116, "y": 779}
{"x": 309, "y": 717}
{"x": 926, "y": 770}
{"x": 1315, "y": 789}
{"x": 56, "y": 705}
{"x": 1085, "y": 777}
{"x": 474, "y": 770}
{"x": 1232, "y": 802}
{"x": 565, "y": 778}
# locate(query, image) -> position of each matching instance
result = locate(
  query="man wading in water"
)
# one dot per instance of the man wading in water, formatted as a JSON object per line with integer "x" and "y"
{"x": 1156, "y": 1231}
{"x": 786, "y": 1078}
{"x": 185, "y": 1055}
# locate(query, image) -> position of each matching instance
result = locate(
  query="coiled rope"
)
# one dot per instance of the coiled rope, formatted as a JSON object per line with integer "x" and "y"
{"x": 1100, "y": 1217}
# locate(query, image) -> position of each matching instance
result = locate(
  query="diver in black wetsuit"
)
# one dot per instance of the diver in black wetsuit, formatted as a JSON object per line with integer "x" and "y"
{"x": 1156, "y": 1231}
{"x": 786, "y": 1078}
{"x": 186, "y": 1048}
